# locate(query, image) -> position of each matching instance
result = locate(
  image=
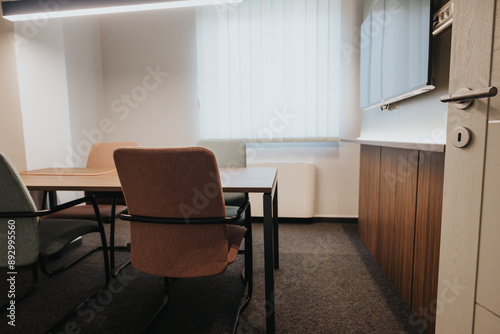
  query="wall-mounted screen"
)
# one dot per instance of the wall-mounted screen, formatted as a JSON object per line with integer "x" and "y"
{"x": 395, "y": 52}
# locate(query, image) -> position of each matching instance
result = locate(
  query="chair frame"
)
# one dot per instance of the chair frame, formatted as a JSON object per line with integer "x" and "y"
{"x": 248, "y": 277}
{"x": 104, "y": 247}
{"x": 41, "y": 213}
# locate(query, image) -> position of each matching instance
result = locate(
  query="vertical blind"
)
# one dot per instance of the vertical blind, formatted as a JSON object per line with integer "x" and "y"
{"x": 269, "y": 70}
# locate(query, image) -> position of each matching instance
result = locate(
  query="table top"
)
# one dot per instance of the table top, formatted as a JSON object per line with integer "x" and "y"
{"x": 248, "y": 179}
{"x": 408, "y": 145}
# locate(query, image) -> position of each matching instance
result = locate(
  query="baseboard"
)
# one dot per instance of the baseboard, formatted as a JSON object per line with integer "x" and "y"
{"x": 312, "y": 220}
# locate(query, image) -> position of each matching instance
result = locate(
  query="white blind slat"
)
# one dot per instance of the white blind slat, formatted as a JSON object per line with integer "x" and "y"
{"x": 270, "y": 69}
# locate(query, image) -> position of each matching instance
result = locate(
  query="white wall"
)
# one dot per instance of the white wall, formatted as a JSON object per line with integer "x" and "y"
{"x": 43, "y": 90}
{"x": 84, "y": 77}
{"x": 60, "y": 85}
{"x": 60, "y": 88}
{"x": 11, "y": 125}
{"x": 159, "y": 109}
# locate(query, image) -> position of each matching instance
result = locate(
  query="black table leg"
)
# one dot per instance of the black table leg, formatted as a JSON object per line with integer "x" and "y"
{"x": 52, "y": 199}
{"x": 269, "y": 263}
{"x": 275, "y": 229}
{"x": 112, "y": 236}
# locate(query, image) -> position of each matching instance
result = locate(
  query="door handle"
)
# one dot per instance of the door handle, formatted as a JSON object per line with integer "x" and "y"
{"x": 464, "y": 97}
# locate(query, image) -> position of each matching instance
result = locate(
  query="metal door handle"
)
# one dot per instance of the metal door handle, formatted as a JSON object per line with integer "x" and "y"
{"x": 465, "y": 97}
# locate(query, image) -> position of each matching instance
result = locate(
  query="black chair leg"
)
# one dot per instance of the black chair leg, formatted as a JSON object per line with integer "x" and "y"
{"x": 107, "y": 270}
{"x": 104, "y": 248}
{"x": 34, "y": 270}
{"x": 162, "y": 307}
{"x": 119, "y": 270}
{"x": 46, "y": 271}
{"x": 248, "y": 277}
{"x": 112, "y": 236}
{"x": 112, "y": 248}
{"x": 70, "y": 314}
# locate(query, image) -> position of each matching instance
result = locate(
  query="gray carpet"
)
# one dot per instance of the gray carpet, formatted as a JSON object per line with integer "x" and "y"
{"x": 328, "y": 283}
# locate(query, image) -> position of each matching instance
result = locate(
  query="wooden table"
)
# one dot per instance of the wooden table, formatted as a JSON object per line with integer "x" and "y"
{"x": 242, "y": 180}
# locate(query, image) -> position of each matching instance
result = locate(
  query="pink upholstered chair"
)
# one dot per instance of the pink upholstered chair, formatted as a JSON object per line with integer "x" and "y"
{"x": 178, "y": 226}
{"x": 100, "y": 156}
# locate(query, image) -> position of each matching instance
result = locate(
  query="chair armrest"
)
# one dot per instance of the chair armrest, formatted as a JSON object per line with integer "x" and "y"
{"x": 164, "y": 220}
{"x": 46, "y": 212}
{"x": 243, "y": 207}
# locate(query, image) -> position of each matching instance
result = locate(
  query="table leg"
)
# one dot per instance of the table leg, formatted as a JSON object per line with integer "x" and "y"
{"x": 269, "y": 263}
{"x": 52, "y": 199}
{"x": 112, "y": 237}
{"x": 275, "y": 229}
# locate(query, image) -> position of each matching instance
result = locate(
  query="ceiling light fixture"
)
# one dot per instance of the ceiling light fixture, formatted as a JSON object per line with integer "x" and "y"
{"x": 43, "y": 9}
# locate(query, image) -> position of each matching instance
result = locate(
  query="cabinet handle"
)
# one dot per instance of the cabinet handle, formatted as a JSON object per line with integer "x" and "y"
{"x": 465, "y": 97}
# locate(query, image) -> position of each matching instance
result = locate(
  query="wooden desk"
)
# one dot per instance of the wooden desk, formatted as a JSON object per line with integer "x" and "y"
{"x": 247, "y": 180}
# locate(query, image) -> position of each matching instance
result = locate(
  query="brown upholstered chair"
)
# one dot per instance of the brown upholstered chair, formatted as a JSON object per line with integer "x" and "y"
{"x": 100, "y": 156}
{"x": 178, "y": 226}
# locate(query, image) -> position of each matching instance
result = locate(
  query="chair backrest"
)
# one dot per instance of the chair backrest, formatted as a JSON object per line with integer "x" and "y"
{"x": 174, "y": 183}
{"x": 14, "y": 197}
{"x": 101, "y": 154}
{"x": 229, "y": 153}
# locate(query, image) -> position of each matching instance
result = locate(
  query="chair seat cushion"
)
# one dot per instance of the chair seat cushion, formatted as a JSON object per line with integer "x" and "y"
{"x": 235, "y": 199}
{"x": 235, "y": 235}
{"x": 55, "y": 234}
{"x": 86, "y": 212}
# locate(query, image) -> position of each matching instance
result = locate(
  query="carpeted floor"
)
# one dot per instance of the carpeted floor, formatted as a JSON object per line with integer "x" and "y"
{"x": 328, "y": 283}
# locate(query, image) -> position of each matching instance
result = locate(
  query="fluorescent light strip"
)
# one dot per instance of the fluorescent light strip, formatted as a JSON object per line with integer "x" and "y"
{"x": 116, "y": 9}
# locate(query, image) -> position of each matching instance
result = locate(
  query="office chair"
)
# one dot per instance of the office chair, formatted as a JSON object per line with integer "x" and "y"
{"x": 26, "y": 239}
{"x": 100, "y": 156}
{"x": 230, "y": 153}
{"x": 179, "y": 226}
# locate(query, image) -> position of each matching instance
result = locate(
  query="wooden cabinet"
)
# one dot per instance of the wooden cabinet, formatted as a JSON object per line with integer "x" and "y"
{"x": 400, "y": 202}
{"x": 368, "y": 203}
{"x": 396, "y": 219}
{"x": 427, "y": 237}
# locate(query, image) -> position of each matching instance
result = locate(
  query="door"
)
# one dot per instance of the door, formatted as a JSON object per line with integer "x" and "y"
{"x": 469, "y": 274}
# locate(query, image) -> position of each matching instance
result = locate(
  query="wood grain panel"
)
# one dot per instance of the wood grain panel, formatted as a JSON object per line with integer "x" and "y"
{"x": 369, "y": 176}
{"x": 397, "y": 205}
{"x": 427, "y": 237}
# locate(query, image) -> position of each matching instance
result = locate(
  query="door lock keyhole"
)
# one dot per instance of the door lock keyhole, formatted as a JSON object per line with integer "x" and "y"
{"x": 461, "y": 137}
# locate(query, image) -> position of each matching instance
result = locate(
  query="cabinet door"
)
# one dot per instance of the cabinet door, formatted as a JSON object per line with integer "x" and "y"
{"x": 398, "y": 192}
{"x": 427, "y": 237}
{"x": 369, "y": 176}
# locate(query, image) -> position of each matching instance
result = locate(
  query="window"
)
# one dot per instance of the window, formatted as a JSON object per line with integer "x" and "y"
{"x": 269, "y": 70}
